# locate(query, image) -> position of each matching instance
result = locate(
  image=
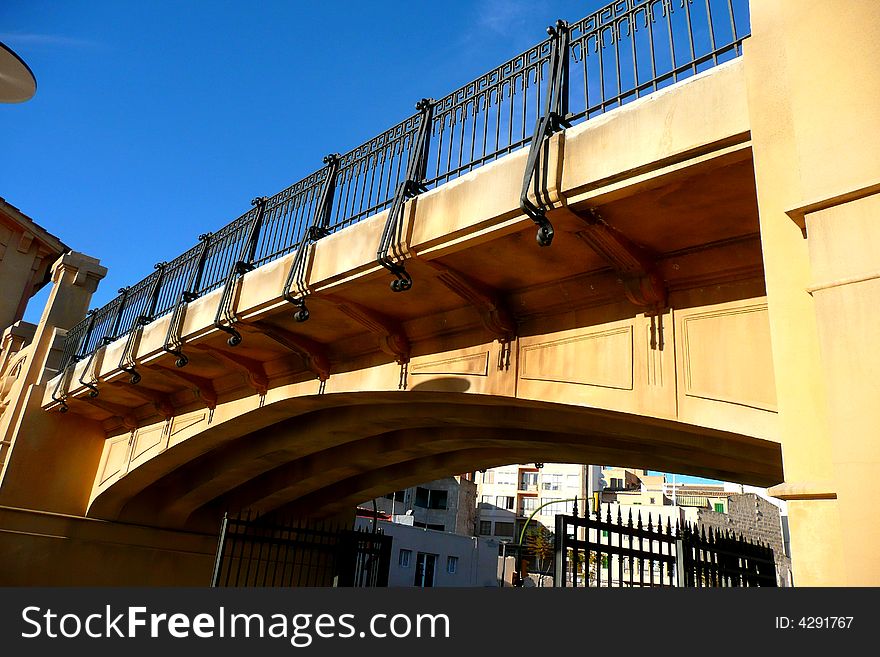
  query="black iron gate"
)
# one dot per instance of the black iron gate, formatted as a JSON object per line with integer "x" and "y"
{"x": 257, "y": 552}
{"x": 591, "y": 551}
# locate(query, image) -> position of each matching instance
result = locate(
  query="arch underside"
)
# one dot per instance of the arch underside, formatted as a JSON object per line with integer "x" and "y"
{"x": 334, "y": 451}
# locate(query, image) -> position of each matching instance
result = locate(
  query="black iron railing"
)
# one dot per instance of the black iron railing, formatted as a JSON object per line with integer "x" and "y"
{"x": 642, "y": 551}
{"x": 627, "y": 49}
{"x": 632, "y": 48}
{"x": 489, "y": 117}
{"x": 259, "y": 552}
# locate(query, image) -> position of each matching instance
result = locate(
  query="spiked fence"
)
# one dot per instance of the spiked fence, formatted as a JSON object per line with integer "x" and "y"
{"x": 631, "y": 552}
{"x": 257, "y": 552}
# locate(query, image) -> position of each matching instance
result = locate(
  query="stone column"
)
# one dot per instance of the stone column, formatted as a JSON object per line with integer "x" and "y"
{"x": 813, "y": 91}
{"x": 49, "y": 463}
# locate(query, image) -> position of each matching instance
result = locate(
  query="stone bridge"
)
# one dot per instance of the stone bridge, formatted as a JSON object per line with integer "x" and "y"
{"x": 677, "y": 322}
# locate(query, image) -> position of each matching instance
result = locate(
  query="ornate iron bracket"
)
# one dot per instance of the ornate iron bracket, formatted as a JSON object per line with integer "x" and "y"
{"x": 106, "y": 340}
{"x": 127, "y": 361}
{"x": 60, "y": 393}
{"x": 296, "y": 277}
{"x": 389, "y": 255}
{"x": 244, "y": 264}
{"x": 62, "y": 388}
{"x": 553, "y": 120}
{"x": 173, "y": 339}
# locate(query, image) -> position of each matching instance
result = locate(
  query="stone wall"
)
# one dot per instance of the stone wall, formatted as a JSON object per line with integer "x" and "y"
{"x": 756, "y": 520}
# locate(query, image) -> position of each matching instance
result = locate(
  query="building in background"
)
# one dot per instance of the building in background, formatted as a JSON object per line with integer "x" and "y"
{"x": 443, "y": 505}
{"x": 27, "y": 253}
{"x": 509, "y": 494}
{"x": 430, "y": 558}
{"x": 632, "y": 486}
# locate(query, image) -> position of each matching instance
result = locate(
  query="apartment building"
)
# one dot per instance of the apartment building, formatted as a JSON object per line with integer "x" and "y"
{"x": 444, "y": 505}
{"x": 509, "y": 494}
{"x": 428, "y": 558}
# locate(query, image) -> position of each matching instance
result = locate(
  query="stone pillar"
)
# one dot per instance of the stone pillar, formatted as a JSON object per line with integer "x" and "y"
{"x": 48, "y": 462}
{"x": 813, "y": 92}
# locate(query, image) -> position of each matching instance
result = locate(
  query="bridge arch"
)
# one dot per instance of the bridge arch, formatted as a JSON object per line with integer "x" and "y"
{"x": 329, "y": 452}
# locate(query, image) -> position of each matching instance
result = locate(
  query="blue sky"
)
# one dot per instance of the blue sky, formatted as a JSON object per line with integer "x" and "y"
{"x": 156, "y": 121}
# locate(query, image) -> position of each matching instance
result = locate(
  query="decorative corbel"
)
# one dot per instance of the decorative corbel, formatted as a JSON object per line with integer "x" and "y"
{"x": 391, "y": 336}
{"x": 495, "y": 315}
{"x": 313, "y": 354}
{"x": 160, "y": 401}
{"x": 203, "y": 387}
{"x": 253, "y": 370}
{"x": 635, "y": 266}
{"x": 117, "y": 410}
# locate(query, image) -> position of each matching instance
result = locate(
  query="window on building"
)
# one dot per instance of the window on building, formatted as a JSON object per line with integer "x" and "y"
{"x": 451, "y": 565}
{"x": 489, "y": 477}
{"x": 437, "y": 499}
{"x": 573, "y": 481}
{"x": 505, "y": 477}
{"x": 503, "y": 529}
{"x": 719, "y": 507}
{"x": 504, "y": 502}
{"x": 485, "y": 527}
{"x": 421, "y": 497}
{"x": 487, "y": 500}
{"x": 430, "y": 499}
{"x": 528, "y": 480}
{"x": 552, "y": 481}
{"x": 616, "y": 482}
{"x": 527, "y": 505}
{"x": 404, "y": 558}
{"x": 652, "y": 501}
{"x": 425, "y": 564}
{"x": 554, "y": 506}
{"x": 428, "y": 525}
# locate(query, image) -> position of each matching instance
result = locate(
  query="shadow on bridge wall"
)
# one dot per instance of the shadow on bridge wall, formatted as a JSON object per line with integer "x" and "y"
{"x": 442, "y": 384}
